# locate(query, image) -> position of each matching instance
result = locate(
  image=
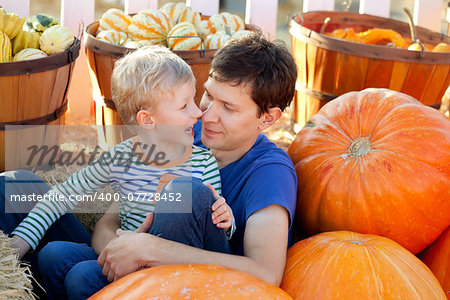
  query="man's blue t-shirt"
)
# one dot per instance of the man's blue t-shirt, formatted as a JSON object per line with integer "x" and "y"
{"x": 264, "y": 176}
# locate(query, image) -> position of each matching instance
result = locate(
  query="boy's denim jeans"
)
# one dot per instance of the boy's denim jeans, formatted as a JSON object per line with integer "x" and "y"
{"x": 67, "y": 228}
{"x": 70, "y": 269}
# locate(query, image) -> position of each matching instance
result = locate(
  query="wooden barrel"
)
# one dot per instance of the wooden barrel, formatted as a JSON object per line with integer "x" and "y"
{"x": 101, "y": 57}
{"x": 33, "y": 92}
{"x": 329, "y": 67}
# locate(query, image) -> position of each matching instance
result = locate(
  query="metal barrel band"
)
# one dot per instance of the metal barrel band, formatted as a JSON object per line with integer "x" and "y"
{"x": 39, "y": 120}
{"x": 316, "y": 94}
{"x": 102, "y": 101}
{"x": 328, "y": 97}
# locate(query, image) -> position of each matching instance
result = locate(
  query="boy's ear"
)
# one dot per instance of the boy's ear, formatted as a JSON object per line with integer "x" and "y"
{"x": 269, "y": 118}
{"x": 144, "y": 118}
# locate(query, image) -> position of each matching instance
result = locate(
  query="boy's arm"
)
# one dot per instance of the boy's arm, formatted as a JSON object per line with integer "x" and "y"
{"x": 266, "y": 260}
{"x": 60, "y": 199}
{"x": 105, "y": 228}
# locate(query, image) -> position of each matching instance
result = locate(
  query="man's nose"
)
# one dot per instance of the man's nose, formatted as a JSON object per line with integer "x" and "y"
{"x": 211, "y": 114}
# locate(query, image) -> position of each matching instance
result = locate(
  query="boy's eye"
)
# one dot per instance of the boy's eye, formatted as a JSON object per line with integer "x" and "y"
{"x": 184, "y": 106}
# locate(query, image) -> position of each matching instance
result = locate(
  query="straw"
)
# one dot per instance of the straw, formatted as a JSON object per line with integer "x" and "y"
{"x": 15, "y": 276}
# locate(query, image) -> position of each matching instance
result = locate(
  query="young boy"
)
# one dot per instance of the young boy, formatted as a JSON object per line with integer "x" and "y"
{"x": 153, "y": 90}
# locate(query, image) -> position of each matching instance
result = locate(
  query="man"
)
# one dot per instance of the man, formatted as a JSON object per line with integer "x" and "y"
{"x": 251, "y": 82}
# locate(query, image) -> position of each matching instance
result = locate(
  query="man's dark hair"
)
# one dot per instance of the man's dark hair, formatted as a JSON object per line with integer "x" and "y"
{"x": 268, "y": 69}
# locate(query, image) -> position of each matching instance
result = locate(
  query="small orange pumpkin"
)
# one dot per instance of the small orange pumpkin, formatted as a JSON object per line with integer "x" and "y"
{"x": 343, "y": 265}
{"x": 202, "y": 282}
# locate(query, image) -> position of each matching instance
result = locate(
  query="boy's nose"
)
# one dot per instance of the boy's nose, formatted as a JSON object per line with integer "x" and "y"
{"x": 197, "y": 113}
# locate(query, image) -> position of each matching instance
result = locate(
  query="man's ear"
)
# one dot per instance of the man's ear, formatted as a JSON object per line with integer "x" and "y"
{"x": 144, "y": 119}
{"x": 269, "y": 118}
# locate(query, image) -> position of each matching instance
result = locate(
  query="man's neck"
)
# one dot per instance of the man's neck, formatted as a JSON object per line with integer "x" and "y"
{"x": 225, "y": 157}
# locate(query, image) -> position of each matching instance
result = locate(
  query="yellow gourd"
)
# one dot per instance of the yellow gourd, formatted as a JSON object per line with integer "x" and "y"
{"x": 5, "y": 48}
{"x": 10, "y": 23}
{"x": 56, "y": 39}
{"x": 29, "y": 53}
{"x": 25, "y": 39}
{"x": 442, "y": 47}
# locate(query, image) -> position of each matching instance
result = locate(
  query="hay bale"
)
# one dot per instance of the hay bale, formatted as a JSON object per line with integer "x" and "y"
{"x": 15, "y": 277}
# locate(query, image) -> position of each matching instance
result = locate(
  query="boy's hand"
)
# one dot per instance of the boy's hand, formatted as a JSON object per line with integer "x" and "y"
{"x": 222, "y": 214}
{"x": 20, "y": 245}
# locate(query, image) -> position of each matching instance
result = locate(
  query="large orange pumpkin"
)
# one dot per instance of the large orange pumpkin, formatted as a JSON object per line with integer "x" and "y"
{"x": 190, "y": 282}
{"x": 437, "y": 258}
{"x": 375, "y": 161}
{"x": 346, "y": 265}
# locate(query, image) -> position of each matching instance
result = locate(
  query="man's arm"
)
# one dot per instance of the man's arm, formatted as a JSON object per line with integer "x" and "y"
{"x": 265, "y": 245}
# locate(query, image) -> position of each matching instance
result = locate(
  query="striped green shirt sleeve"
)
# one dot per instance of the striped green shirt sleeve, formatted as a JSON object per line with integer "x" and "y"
{"x": 62, "y": 198}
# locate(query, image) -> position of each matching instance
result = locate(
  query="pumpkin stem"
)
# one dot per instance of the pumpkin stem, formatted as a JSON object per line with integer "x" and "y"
{"x": 359, "y": 147}
{"x": 357, "y": 242}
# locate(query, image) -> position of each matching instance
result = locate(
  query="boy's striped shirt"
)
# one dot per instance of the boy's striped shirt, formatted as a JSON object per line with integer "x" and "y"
{"x": 128, "y": 176}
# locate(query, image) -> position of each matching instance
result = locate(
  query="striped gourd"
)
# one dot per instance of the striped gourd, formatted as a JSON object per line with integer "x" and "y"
{"x": 173, "y": 10}
{"x": 23, "y": 40}
{"x": 114, "y": 19}
{"x": 234, "y": 22}
{"x": 216, "y": 40}
{"x": 10, "y": 23}
{"x": 183, "y": 36}
{"x": 212, "y": 25}
{"x": 29, "y": 53}
{"x": 5, "y": 48}
{"x": 240, "y": 33}
{"x": 150, "y": 25}
{"x": 112, "y": 36}
{"x": 137, "y": 44}
{"x": 132, "y": 44}
{"x": 191, "y": 16}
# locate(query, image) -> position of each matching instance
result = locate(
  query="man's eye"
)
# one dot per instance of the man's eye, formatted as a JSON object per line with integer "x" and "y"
{"x": 228, "y": 107}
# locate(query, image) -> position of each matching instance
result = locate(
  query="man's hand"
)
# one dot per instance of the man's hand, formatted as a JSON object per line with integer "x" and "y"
{"x": 121, "y": 256}
{"x": 20, "y": 245}
{"x": 222, "y": 214}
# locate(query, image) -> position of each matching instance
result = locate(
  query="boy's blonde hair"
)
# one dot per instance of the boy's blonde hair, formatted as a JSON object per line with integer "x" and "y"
{"x": 141, "y": 78}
